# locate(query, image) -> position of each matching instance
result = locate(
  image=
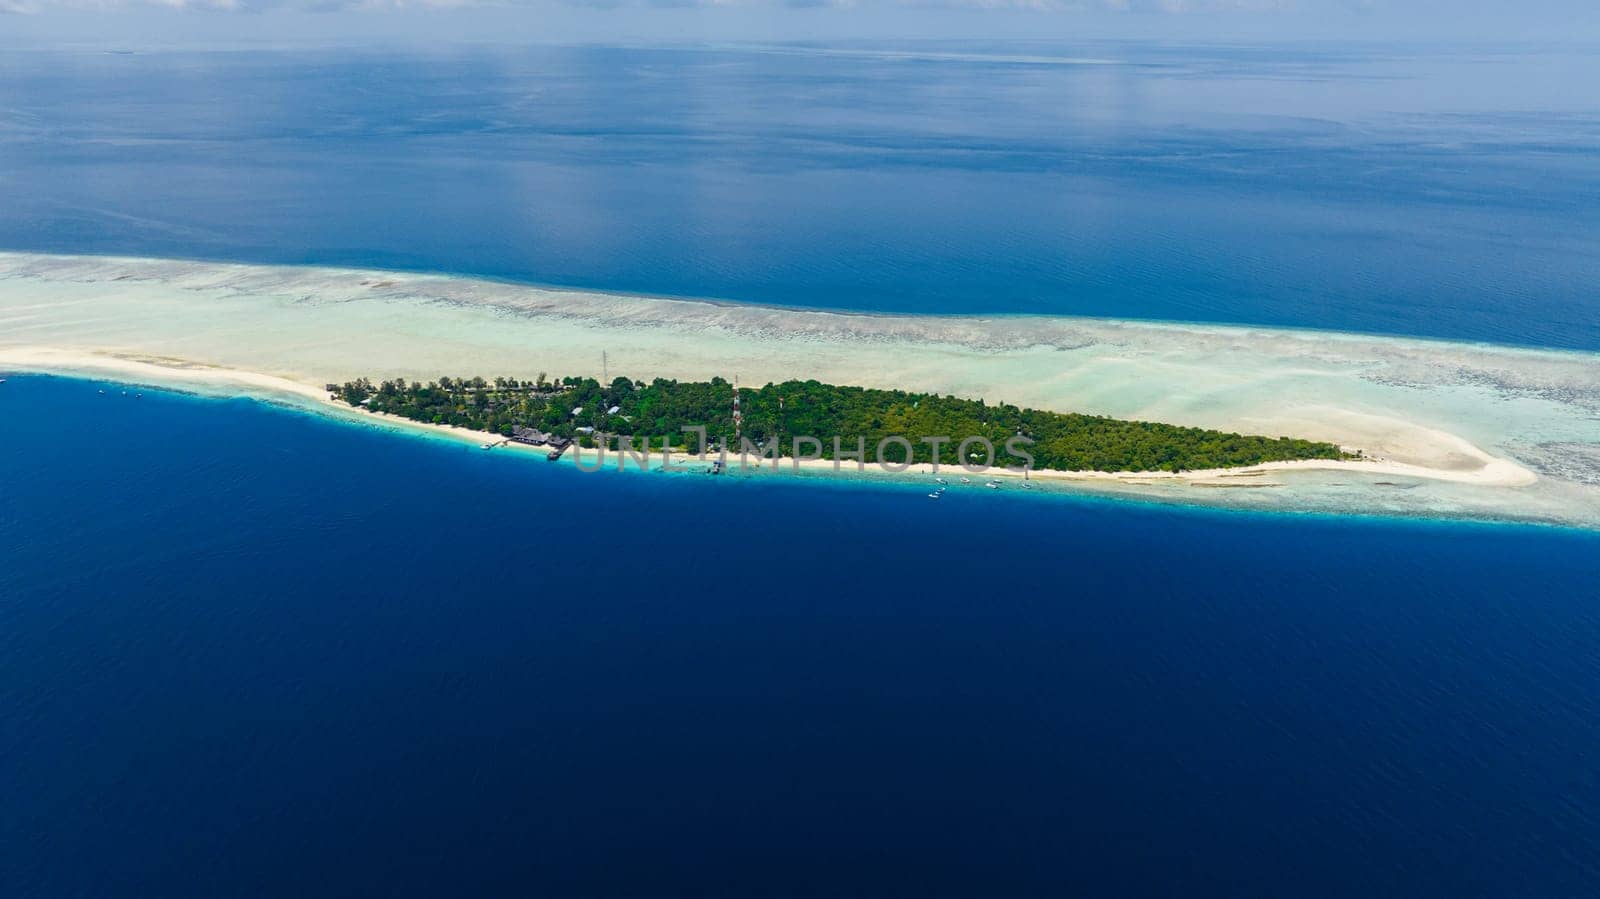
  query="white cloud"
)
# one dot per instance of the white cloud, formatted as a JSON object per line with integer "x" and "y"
{"x": 797, "y": 19}
{"x": 1168, "y": 6}
{"x": 38, "y": 6}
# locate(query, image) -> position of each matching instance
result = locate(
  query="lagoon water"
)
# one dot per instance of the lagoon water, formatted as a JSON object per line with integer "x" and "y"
{"x": 248, "y": 651}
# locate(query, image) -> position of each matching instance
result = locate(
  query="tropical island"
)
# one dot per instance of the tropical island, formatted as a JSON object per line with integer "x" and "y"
{"x": 1445, "y": 429}
{"x": 922, "y": 427}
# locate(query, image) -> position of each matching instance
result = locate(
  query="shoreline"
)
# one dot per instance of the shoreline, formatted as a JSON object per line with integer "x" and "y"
{"x": 1447, "y": 430}
{"x": 172, "y": 372}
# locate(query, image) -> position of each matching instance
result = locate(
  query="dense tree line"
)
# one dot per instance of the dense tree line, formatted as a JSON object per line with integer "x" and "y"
{"x": 774, "y": 415}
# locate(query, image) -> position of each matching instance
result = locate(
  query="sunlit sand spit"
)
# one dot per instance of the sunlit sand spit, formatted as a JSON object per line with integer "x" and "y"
{"x": 1449, "y": 429}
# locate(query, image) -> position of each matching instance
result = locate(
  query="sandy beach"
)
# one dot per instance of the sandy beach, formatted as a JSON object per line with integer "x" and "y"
{"x": 1460, "y": 462}
{"x": 1448, "y": 430}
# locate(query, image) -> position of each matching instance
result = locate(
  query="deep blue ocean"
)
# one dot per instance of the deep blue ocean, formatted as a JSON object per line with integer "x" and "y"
{"x": 246, "y": 651}
{"x": 1415, "y": 189}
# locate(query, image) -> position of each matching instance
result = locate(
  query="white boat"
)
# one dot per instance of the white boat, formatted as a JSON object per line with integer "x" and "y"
{"x": 933, "y": 496}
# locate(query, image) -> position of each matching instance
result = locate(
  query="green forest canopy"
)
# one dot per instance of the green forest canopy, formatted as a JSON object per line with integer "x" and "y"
{"x": 1062, "y": 441}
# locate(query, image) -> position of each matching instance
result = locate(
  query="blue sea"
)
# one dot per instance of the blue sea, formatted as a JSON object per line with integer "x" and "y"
{"x": 248, "y": 651}
{"x": 1446, "y": 191}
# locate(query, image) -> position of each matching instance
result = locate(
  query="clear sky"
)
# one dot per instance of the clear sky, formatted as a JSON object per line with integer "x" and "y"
{"x": 231, "y": 22}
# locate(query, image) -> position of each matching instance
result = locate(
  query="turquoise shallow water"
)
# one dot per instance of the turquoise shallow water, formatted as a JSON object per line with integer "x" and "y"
{"x": 248, "y": 651}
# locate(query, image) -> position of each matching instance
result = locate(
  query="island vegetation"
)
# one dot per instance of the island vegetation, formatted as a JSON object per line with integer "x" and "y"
{"x": 590, "y": 413}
